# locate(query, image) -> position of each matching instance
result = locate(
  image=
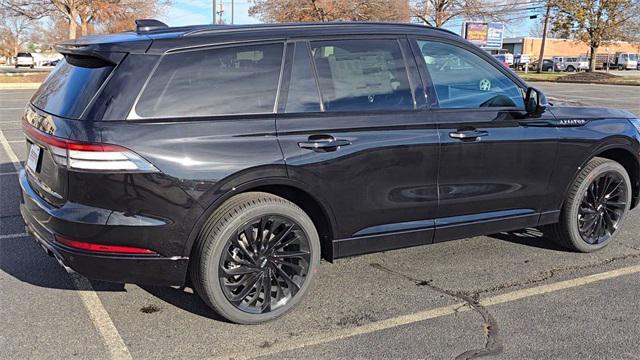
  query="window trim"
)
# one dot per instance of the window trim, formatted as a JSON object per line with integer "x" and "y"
{"x": 476, "y": 51}
{"x": 134, "y": 116}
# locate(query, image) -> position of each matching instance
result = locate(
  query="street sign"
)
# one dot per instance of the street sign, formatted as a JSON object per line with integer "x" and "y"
{"x": 484, "y": 35}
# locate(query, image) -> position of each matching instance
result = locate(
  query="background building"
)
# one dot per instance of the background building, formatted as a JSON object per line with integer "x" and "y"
{"x": 562, "y": 47}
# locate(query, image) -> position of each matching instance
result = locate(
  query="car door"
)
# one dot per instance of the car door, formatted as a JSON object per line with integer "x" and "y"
{"x": 495, "y": 163}
{"x": 354, "y": 132}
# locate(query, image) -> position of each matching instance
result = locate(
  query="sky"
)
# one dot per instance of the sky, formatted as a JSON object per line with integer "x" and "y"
{"x": 191, "y": 12}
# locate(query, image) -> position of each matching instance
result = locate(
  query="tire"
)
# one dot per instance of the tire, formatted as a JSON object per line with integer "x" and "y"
{"x": 620, "y": 67}
{"x": 222, "y": 247}
{"x": 571, "y": 68}
{"x": 577, "y": 212}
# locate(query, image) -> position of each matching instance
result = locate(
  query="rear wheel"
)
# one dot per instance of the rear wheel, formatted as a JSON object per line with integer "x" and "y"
{"x": 597, "y": 205}
{"x": 571, "y": 68}
{"x": 620, "y": 67}
{"x": 255, "y": 258}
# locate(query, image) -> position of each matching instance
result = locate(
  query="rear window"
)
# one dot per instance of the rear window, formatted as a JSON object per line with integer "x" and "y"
{"x": 221, "y": 81}
{"x": 71, "y": 85}
{"x": 22, "y": 54}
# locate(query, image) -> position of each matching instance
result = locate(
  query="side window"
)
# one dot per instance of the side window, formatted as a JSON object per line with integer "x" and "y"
{"x": 462, "y": 79}
{"x": 222, "y": 81}
{"x": 303, "y": 91}
{"x": 361, "y": 75}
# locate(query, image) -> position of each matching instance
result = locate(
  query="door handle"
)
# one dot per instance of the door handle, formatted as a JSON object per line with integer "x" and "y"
{"x": 323, "y": 143}
{"x": 468, "y": 134}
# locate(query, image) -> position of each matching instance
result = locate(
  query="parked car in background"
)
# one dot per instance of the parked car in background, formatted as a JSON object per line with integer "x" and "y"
{"x": 25, "y": 59}
{"x": 230, "y": 159}
{"x": 571, "y": 64}
{"x": 547, "y": 65}
{"x": 619, "y": 61}
{"x": 51, "y": 62}
{"x": 520, "y": 61}
{"x": 503, "y": 59}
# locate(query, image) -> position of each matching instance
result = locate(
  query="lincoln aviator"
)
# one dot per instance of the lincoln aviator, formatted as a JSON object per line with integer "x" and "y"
{"x": 231, "y": 159}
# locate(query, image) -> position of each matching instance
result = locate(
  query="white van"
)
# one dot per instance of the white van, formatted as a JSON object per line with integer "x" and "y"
{"x": 25, "y": 59}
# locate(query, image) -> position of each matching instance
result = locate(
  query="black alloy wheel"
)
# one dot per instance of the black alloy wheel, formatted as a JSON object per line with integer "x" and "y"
{"x": 602, "y": 207}
{"x": 264, "y": 264}
{"x": 596, "y": 206}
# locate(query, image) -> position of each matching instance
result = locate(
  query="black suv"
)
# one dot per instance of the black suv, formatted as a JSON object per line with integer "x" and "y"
{"x": 231, "y": 158}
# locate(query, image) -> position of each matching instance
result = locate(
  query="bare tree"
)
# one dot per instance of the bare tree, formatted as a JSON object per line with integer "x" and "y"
{"x": 439, "y": 12}
{"x": 329, "y": 10}
{"x": 85, "y": 15}
{"x": 597, "y": 22}
{"x": 14, "y": 31}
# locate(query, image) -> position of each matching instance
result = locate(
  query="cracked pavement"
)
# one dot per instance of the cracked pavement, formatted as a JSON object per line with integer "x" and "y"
{"x": 41, "y": 315}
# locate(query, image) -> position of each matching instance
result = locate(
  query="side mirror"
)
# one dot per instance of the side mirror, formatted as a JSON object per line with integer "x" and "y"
{"x": 535, "y": 103}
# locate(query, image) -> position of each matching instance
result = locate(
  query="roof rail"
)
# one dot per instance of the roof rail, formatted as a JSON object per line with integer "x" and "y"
{"x": 144, "y": 25}
{"x": 220, "y": 28}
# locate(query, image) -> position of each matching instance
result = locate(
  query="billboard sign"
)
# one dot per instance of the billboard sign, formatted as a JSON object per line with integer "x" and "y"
{"x": 484, "y": 35}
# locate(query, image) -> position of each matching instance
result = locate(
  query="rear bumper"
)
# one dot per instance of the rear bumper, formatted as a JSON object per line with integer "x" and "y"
{"x": 43, "y": 221}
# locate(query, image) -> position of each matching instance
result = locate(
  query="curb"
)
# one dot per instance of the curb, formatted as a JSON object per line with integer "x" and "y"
{"x": 19, "y": 86}
{"x": 584, "y": 82}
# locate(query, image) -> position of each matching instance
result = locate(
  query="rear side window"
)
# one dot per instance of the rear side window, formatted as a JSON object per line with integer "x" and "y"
{"x": 71, "y": 85}
{"x": 221, "y": 81}
{"x": 362, "y": 75}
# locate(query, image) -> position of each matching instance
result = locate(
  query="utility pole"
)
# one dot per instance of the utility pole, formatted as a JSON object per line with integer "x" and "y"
{"x": 221, "y": 12}
{"x": 214, "y": 12}
{"x": 544, "y": 37}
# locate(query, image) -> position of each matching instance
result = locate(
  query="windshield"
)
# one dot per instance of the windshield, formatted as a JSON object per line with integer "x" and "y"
{"x": 633, "y": 57}
{"x": 69, "y": 88}
{"x": 24, "y": 55}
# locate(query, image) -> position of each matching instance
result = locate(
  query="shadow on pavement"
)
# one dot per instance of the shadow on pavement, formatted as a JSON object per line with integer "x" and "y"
{"x": 184, "y": 300}
{"x": 534, "y": 237}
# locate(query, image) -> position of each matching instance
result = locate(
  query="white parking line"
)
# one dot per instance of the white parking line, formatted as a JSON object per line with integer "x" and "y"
{"x": 10, "y": 236}
{"x": 12, "y": 108}
{"x": 7, "y": 148}
{"x": 9, "y": 173}
{"x": 100, "y": 318}
{"x": 323, "y": 338}
{"x": 98, "y": 314}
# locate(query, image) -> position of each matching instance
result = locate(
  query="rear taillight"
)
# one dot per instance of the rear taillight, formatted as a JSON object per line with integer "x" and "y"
{"x": 88, "y": 156}
{"x": 101, "y": 248}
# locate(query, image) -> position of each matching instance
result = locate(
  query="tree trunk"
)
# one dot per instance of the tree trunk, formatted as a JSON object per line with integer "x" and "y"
{"x": 592, "y": 58}
{"x": 84, "y": 27}
{"x": 73, "y": 27}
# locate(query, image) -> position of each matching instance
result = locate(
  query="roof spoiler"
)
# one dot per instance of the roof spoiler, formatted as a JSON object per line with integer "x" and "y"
{"x": 89, "y": 50}
{"x": 144, "y": 25}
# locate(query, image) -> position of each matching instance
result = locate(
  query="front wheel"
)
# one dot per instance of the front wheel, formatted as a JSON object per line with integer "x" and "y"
{"x": 596, "y": 207}
{"x": 255, "y": 258}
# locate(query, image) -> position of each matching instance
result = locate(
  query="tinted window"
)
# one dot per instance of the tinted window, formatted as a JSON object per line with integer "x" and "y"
{"x": 303, "y": 91}
{"x": 22, "y": 54}
{"x": 71, "y": 85}
{"x": 231, "y": 80}
{"x": 464, "y": 80}
{"x": 362, "y": 75}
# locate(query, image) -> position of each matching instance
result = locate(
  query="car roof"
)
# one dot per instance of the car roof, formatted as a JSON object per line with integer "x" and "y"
{"x": 161, "y": 39}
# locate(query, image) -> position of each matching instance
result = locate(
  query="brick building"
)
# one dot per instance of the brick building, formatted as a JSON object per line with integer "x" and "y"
{"x": 563, "y": 47}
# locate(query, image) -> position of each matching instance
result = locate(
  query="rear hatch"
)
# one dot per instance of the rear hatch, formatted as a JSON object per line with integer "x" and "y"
{"x": 55, "y": 117}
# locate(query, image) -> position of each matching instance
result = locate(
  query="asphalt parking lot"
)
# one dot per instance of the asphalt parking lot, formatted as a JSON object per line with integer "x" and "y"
{"x": 509, "y": 295}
